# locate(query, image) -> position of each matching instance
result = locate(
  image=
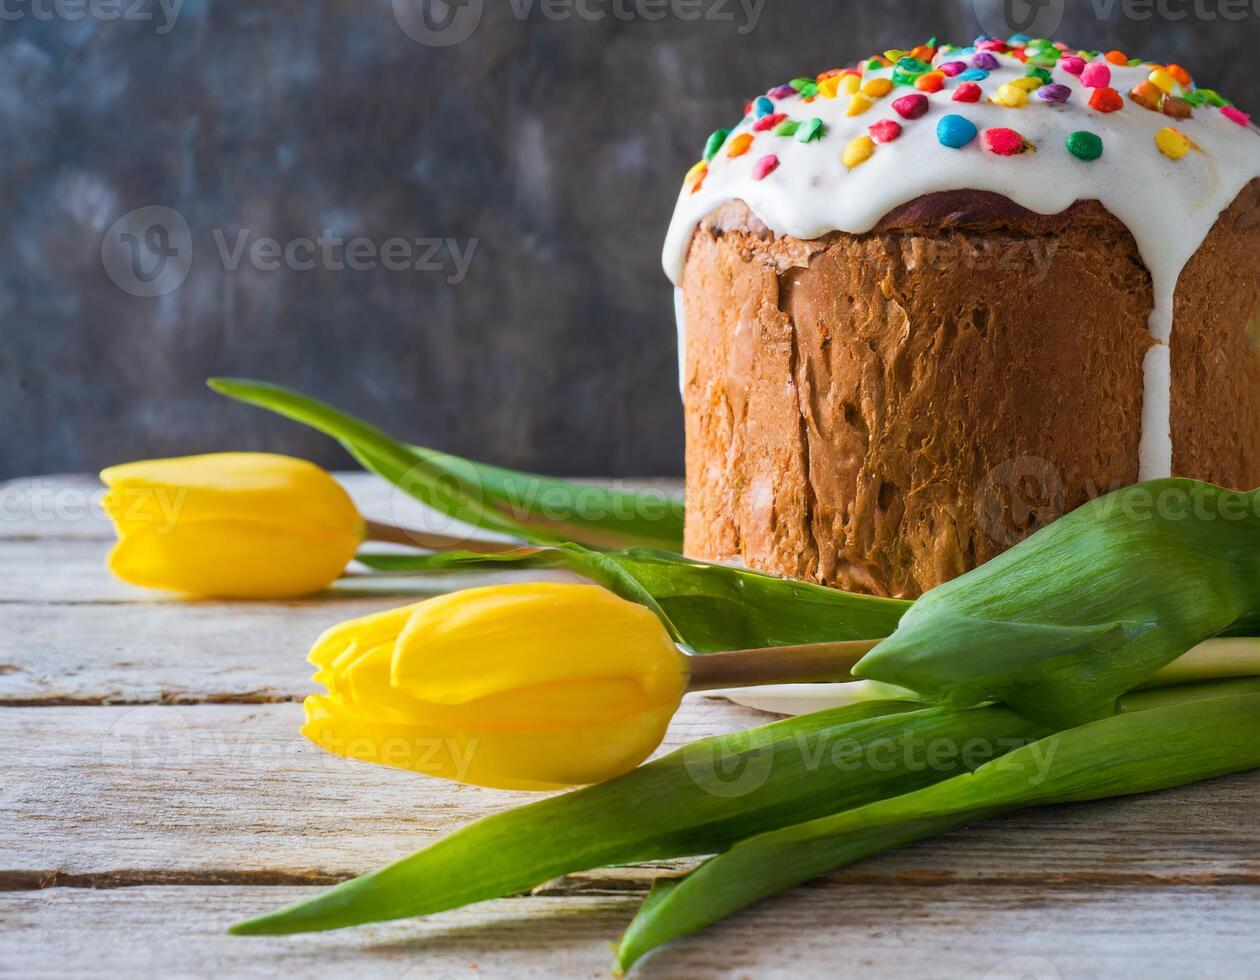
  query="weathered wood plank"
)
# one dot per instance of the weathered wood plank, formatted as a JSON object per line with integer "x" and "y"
{"x": 121, "y": 793}
{"x": 216, "y": 790}
{"x": 834, "y": 927}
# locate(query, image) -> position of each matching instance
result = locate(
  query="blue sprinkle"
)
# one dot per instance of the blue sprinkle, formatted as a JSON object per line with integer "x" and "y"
{"x": 955, "y": 131}
{"x": 763, "y": 107}
{"x": 1016, "y": 39}
{"x": 973, "y": 75}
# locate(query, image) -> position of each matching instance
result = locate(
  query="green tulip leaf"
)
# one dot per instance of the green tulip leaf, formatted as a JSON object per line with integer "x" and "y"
{"x": 1159, "y": 740}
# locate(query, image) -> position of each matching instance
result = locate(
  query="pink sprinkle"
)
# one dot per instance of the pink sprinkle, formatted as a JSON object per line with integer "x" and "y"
{"x": 764, "y": 167}
{"x": 1072, "y": 64}
{"x": 1003, "y": 142}
{"x": 952, "y": 68}
{"x": 1096, "y": 75}
{"x": 769, "y": 122}
{"x": 967, "y": 92}
{"x": 1235, "y": 115}
{"x": 782, "y": 92}
{"x": 991, "y": 44}
{"x": 911, "y": 106}
{"x": 885, "y": 131}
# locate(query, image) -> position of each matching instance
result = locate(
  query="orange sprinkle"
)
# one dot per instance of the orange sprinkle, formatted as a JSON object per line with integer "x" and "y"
{"x": 1179, "y": 73}
{"x": 1117, "y": 57}
{"x": 923, "y": 53}
{"x": 933, "y": 81}
{"x": 739, "y": 145}
{"x": 829, "y": 73}
{"x": 1106, "y": 100}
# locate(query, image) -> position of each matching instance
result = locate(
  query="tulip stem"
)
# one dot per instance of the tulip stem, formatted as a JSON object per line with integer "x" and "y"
{"x": 811, "y": 663}
{"x": 376, "y": 531}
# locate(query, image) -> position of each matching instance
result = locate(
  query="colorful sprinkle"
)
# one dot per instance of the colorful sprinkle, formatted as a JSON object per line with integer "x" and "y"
{"x": 952, "y": 68}
{"x": 765, "y": 166}
{"x": 829, "y": 87}
{"x": 714, "y": 143}
{"x": 984, "y": 60}
{"x": 800, "y": 84}
{"x": 768, "y": 122}
{"x": 782, "y": 92}
{"x": 1117, "y": 57}
{"x": 1235, "y": 115}
{"x": 1146, "y": 95}
{"x": 1054, "y": 92}
{"x": 1072, "y": 64}
{"x": 695, "y": 176}
{"x": 1179, "y": 73}
{"x": 1004, "y": 142}
{"x": 1084, "y": 145}
{"x": 1105, "y": 100}
{"x": 762, "y": 106}
{"x": 955, "y": 131}
{"x": 1010, "y": 95}
{"x": 787, "y": 128}
{"x": 739, "y": 145}
{"x": 811, "y": 130}
{"x": 858, "y": 151}
{"x": 1173, "y": 143}
{"x": 859, "y": 104}
{"x": 1041, "y": 73}
{"x": 910, "y": 106}
{"x": 877, "y": 88}
{"x": 967, "y": 92}
{"x": 933, "y": 81}
{"x": 849, "y": 84}
{"x": 973, "y": 75}
{"x": 885, "y": 131}
{"x": 1176, "y": 107}
{"x": 1096, "y": 75}
{"x": 1162, "y": 80}
{"x": 1029, "y": 83}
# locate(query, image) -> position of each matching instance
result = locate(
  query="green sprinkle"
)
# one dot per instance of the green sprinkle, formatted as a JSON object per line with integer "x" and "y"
{"x": 786, "y": 128}
{"x": 913, "y": 66}
{"x": 809, "y": 90}
{"x": 1194, "y": 97}
{"x": 800, "y": 83}
{"x": 874, "y": 64}
{"x": 1214, "y": 97}
{"x": 1041, "y": 73}
{"x": 1134, "y": 62}
{"x": 1085, "y": 145}
{"x": 810, "y": 131}
{"x": 714, "y": 143}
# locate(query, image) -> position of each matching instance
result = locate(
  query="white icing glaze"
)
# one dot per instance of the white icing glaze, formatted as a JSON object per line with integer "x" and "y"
{"x": 1168, "y": 205}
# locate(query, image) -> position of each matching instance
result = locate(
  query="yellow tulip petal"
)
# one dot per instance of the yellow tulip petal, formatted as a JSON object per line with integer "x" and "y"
{"x": 452, "y": 650}
{"x": 227, "y": 559}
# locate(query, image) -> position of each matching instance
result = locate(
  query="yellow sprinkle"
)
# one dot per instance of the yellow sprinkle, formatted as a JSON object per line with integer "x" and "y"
{"x": 1011, "y": 95}
{"x": 1173, "y": 143}
{"x": 696, "y": 175}
{"x": 858, "y": 105}
{"x": 859, "y": 150}
{"x": 1162, "y": 80}
{"x": 829, "y": 87}
{"x": 877, "y": 88}
{"x": 739, "y": 145}
{"x": 895, "y": 55}
{"x": 1028, "y": 84}
{"x": 849, "y": 84}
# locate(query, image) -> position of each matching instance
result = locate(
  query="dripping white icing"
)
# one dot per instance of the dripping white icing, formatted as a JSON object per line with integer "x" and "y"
{"x": 1169, "y": 206}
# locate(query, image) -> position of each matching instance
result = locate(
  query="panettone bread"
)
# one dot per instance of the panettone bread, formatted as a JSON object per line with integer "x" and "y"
{"x": 900, "y": 355}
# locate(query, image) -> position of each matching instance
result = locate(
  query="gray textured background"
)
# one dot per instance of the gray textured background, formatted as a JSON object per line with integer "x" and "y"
{"x": 558, "y": 144}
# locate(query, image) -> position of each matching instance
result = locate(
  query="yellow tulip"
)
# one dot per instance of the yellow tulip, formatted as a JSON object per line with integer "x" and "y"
{"x": 534, "y": 686}
{"x": 230, "y": 525}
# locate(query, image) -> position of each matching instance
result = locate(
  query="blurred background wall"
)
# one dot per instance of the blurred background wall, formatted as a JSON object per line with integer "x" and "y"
{"x": 525, "y": 154}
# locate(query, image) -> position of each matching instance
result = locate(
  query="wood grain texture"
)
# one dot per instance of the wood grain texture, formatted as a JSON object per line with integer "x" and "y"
{"x": 830, "y": 928}
{"x": 135, "y": 832}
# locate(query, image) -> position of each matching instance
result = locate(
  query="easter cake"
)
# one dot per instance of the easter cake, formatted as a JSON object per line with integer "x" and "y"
{"x": 932, "y": 302}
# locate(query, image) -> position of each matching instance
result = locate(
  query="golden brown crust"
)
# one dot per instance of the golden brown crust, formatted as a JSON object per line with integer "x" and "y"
{"x": 882, "y": 412}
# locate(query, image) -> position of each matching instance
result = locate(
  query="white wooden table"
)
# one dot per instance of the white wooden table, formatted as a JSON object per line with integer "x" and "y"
{"x": 155, "y": 790}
